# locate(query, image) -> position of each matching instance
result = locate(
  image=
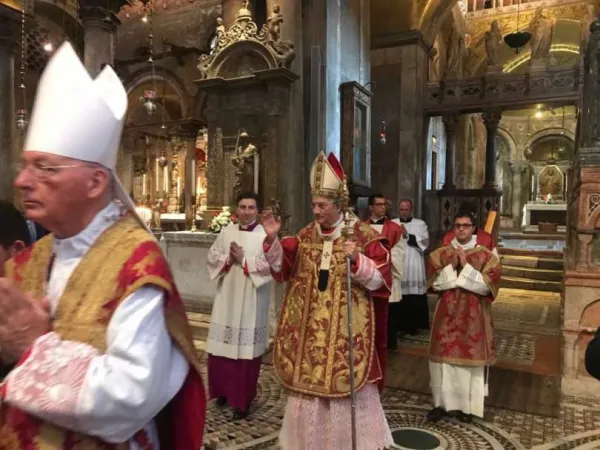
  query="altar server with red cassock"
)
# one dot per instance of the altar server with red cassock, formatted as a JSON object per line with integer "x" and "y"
{"x": 386, "y": 309}
{"x": 311, "y": 356}
{"x": 461, "y": 349}
{"x": 90, "y": 314}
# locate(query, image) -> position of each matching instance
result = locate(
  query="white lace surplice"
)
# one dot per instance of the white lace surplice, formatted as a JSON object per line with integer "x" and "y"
{"x": 414, "y": 280}
{"x": 239, "y": 327}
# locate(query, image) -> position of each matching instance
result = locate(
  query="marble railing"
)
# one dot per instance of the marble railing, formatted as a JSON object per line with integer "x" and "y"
{"x": 504, "y": 90}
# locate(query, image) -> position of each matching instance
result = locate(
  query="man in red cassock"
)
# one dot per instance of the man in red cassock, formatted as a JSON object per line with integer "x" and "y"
{"x": 386, "y": 314}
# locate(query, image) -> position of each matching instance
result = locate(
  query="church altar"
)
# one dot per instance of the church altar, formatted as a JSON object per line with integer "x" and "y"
{"x": 187, "y": 253}
{"x": 536, "y": 212}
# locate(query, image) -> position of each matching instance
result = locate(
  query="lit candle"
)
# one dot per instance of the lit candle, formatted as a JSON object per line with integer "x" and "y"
{"x": 166, "y": 180}
{"x": 178, "y": 187}
{"x": 193, "y": 183}
{"x": 144, "y": 185}
{"x": 157, "y": 174}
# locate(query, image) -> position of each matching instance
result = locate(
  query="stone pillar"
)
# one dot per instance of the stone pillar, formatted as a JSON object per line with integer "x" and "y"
{"x": 491, "y": 120}
{"x": 399, "y": 67}
{"x": 520, "y": 186}
{"x": 99, "y": 28}
{"x": 451, "y": 122}
{"x": 230, "y": 9}
{"x": 9, "y": 45}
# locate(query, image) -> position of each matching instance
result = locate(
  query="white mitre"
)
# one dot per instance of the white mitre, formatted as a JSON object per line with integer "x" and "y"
{"x": 77, "y": 117}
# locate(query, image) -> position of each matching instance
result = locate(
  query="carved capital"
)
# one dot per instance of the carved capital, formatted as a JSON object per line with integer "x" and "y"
{"x": 451, "y": 122}
{"x": 186, "y": 129}
{"x": 98, "y": 17}
{"x": 491, "y": 117}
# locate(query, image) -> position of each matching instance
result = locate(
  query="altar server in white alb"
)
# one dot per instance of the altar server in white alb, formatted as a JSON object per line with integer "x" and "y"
{"x": 90, "y": 315}
{"x": 239, "y": 328}
{"x": 413, "y": 314}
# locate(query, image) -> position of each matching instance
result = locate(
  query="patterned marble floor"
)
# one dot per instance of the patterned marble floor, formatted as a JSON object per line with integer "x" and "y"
{"x": 577, "y": 427}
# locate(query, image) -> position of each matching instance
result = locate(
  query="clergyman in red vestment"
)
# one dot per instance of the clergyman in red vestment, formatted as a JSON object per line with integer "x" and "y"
{"x": 461, "y": 348}
{"x": 311, "y": 356}
{"x": 386, "y": 311}
{"x": 90, "y": 314}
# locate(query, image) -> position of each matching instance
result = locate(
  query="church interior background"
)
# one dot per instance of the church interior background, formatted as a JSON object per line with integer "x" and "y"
{"x": 420, "y": 99}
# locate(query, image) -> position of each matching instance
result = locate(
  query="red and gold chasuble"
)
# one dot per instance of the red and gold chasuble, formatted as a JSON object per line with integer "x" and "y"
{"x": 311, "y": 345}
{"x": 123, "y": 259}
{"x": 462, "y": 330}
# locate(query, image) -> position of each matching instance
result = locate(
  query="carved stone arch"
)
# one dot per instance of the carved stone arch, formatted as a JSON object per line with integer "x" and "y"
{"x": 242, "y": 59}
{"x": 554, "y": 131}
{"x": 172, "y": 82}
{"x": 435, "y": 14}
{"x": 510, "y": 141}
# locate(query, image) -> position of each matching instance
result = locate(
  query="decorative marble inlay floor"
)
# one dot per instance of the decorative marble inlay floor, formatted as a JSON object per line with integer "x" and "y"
{"x": 577, "y": 427}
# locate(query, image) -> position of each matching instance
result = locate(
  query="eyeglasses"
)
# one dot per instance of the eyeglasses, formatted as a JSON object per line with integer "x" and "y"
{"x": 379, "y": 204}
{"x": 460, "y": 226}
{"x": 42, "y": 171}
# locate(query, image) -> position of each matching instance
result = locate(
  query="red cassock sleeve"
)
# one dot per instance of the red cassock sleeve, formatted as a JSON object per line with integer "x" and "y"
{"x": 380, "y": 255}
{"x": 289, "y": 245}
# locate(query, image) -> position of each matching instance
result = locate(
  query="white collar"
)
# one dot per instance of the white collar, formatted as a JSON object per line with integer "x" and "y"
{"x": 468, "y": 246}
{"x": 78, "y": 245}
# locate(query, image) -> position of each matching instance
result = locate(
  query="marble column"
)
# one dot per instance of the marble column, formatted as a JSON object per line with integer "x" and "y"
{"x": 99, "y": 28}
{"x": 399, "y": 67}
{"x": 9, "y": 45}
{"x": 230, "y": 9}
{"x": 451, "y": 122}
{"x": 491, "y": 120}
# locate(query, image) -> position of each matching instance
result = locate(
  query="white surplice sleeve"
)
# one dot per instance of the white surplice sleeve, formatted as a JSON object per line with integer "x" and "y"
{"x": 446, "y": 279}
{"x": 472, "y": 280}
{"x": 259, "y": 270}
{"x": 218, "y": 258}
{"x": 109, "y": 395}
{"x": 397, "y": 254}
{"x": 422, "y": 236}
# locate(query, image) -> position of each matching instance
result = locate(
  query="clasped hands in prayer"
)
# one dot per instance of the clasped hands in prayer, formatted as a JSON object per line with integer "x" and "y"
{"x": 22, "y": 320}
{"x": 462, "y": 257}
{"x": 236, "y": 253}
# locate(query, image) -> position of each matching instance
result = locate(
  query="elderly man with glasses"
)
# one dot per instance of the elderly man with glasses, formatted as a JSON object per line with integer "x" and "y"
{"x": 467, "y": 277}
{"x": 90, "y": 314}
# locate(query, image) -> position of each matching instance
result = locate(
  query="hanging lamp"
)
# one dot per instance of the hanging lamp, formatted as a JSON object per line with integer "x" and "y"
{"x": 518, "y": 39}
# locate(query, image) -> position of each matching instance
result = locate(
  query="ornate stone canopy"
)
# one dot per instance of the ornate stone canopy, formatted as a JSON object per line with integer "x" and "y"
{"x": 244, "y": 49}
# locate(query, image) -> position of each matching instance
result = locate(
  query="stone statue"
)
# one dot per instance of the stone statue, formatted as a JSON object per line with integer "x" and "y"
{"x": 454, "y": 55}
{"x": 586, "y": 23}
{"x": 542, "y": 30}
{"x": 493, "y": 44}
{"x": 245, "y": 161}
{"x": 468, "y": 54}
{"x": 274, "y": 24}
{"x": 551, "y": 182}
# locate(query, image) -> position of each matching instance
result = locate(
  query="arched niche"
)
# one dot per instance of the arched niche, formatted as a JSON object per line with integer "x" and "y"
{"x": 242, "y": 59}
{"x": 171, "y": 98}
{"x": 550, "y": 145}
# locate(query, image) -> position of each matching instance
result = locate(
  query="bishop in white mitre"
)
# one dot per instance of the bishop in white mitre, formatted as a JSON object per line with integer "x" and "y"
{"x": 239, "y": 328}
{"x": 90, "y": 316}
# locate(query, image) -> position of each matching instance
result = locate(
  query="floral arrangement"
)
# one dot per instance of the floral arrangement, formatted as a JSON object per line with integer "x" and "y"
{"x": 548, "y": 199}
{"x": 221, "y": 220}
